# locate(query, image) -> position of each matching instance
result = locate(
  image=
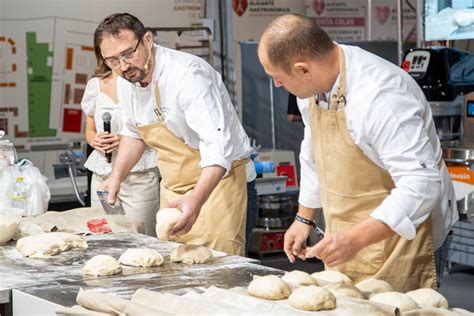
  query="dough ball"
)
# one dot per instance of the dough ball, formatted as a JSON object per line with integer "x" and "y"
{"x": 404, "y": 302}
{"x": 297, "y": 278}
{"x": 269, "y": 287}
{"x": 428, "y": 298}
{"x": 343, "y": 289}
{"x": 330, "y": 276}
{"x": 141, "y": 258}
{"x": 49, "y": 244}
{"x": 312, "y": 298}
{"x": 371, "y": 287}
{"x": 191, "y": 254}
{"x": 102, "y": 265}
{"x": 166, "y": 218}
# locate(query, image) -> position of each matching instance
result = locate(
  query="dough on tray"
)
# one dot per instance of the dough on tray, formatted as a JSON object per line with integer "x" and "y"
{"x": 49, "y": 244}
{"x": 404, "y": 302}
{"x": 312, "y": 298}
{"x": 298, "y": 278}
{"x": 102, "y": 265}
{"x": 427, "y": 297}
{"x": 371, "y": 287}
{"x": 269, "y": 287}
{"x": 330, "y": 276}
{"x": 191, "y": 254}
{"x": 166, "y": 218}
{"x": 344, "y": 289}
{"x": 141, "y": 257}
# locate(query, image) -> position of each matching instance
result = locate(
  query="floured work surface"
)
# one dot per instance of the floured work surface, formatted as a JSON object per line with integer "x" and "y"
{"x": 18, "y": 272}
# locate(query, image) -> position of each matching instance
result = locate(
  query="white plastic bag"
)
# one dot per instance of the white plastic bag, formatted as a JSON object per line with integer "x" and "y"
{"x": 38, "y": 194}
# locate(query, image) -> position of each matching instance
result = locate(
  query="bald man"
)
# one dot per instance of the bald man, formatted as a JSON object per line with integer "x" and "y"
{"x": 370, "y": 158}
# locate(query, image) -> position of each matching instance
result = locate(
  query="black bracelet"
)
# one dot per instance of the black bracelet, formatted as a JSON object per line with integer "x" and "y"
{"x": 305, "y": 221}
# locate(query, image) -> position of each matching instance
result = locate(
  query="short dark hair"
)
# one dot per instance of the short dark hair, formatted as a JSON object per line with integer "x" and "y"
{"x": 293, "y": 36}
{"x": 115, "y": 23}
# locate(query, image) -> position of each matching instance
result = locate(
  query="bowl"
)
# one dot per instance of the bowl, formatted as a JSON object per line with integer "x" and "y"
{"x": 10, "y": 218}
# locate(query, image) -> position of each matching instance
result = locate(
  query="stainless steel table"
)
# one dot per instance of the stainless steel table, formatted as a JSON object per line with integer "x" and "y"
{"x": 57, "y": 280}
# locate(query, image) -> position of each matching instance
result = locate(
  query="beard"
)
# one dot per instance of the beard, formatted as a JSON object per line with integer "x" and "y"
{"x": 134, "y": 74}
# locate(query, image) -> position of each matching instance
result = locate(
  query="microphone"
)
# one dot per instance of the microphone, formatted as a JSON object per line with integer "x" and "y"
{"x": 107, "y": 117}
{"x": 145, "y": 66}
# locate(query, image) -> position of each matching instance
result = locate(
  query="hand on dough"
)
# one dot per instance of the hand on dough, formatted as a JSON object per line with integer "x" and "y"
{"x": 190, "y": 206}
{"x": 335, "y": 248}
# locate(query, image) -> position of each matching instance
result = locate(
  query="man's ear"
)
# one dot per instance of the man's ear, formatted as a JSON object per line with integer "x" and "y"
{"x": 301, "y": 69}
{"x": 148, "y": 39}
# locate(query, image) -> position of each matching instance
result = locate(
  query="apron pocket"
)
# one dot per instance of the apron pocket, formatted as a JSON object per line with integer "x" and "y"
{"x": 367, "y": 261}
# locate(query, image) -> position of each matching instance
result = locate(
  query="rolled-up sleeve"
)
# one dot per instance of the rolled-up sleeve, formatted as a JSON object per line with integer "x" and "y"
{"x": 309, "y": 186}
{"x": 203, "y": 106}
{"x": 395, "y": 129}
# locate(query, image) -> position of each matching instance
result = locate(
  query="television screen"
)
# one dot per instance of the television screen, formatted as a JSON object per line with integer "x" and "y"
{"x": 449, "y": 20}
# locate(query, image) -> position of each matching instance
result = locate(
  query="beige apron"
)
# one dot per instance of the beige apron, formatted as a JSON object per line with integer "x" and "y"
{"x": 352, "y": 186}
{"x": 221, "y": 222}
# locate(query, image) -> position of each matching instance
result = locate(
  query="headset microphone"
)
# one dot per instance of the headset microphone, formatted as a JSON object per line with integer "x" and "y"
{"x": 145, "y": 66}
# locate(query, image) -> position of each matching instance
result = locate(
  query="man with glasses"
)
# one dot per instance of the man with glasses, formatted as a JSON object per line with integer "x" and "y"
{"x": 177, "y": 104}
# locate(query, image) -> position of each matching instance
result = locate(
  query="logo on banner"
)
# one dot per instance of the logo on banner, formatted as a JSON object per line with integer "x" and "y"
{"x": 319, "y": 6}
{"x": 382, "y": 14}
{"x": 240, "y": 6}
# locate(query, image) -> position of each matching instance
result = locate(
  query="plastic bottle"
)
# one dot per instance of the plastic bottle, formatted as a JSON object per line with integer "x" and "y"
{"x": 19, "y": 194}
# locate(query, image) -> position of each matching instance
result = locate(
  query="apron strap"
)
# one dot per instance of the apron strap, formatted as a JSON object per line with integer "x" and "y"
{"x": 338, "y": 98}
{"x": 158, "y": 103}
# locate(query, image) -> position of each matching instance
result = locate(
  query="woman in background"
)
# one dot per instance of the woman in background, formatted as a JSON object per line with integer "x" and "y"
{"x": 139, "y": 192}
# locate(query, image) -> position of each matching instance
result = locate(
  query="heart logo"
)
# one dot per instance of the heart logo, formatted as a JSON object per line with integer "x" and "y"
{"x": 318, "y": 6}
{"x": 382, "y": 13}
{"x": 240, "y": 6}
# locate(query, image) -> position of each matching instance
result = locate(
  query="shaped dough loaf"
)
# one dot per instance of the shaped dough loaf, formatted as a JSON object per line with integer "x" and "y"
{"x": 141, "y": 258}
{"x": 428, "y": 298}
{"x": 269, "y": 287}
{"x": 343, "y": 289}
{"x": 312, "y": 298}
{"x": 404, "y": 302}
{"x": 191, "y": 254}
{"x": 102, "y": 265}
{"x": 297, "y": 278}
{"x": 371, "y": 287}
{"x": 49, "y": 244}
{"x": 330, "y": 276}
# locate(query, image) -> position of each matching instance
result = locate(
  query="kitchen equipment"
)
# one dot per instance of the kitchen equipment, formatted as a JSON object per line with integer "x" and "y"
{"x": 115, "y": 209}
{"x": 276, "y": 213}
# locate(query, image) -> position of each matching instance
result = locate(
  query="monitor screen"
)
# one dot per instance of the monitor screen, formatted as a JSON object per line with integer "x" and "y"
{"x": 470, "y": 109}
{"x": 449, "y": 20}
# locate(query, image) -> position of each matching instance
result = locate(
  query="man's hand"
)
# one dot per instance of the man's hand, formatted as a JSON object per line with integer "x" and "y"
{"x": 190, "y": 206}
{"x": 112, "y": 186}
{"x": 335, "y": 249}
{"x": 295, "y": 241}
{"x": 338, "y": 248}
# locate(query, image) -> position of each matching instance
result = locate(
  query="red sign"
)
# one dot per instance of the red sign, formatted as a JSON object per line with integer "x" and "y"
{"x": 240, "y": 6}
{"x": 318, "y": 6}
{"x": 406, "y": 65}
{"x": 289, "y": 171}
{"x": 72, "y": 120}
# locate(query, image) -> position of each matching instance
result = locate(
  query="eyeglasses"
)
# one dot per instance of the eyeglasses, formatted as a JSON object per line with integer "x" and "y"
{"x": 113, "y": 62}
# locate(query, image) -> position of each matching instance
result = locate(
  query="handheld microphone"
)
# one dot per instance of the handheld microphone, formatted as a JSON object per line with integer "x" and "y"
{"x": 107, "y": 117}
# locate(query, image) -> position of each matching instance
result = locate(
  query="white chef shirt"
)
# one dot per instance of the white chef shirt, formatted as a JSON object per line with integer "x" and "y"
{"x": 95, "y": 103}
{"x": 391, "y": 122}
{"x": 195, "y": 105}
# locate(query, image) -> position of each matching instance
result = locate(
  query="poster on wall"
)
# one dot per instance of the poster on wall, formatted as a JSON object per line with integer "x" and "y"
{"x": 250, "y": 17}
{"x": 47, "y": 57}
{"x": 343, "y": 20}
{"x": 384, "y": 20}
